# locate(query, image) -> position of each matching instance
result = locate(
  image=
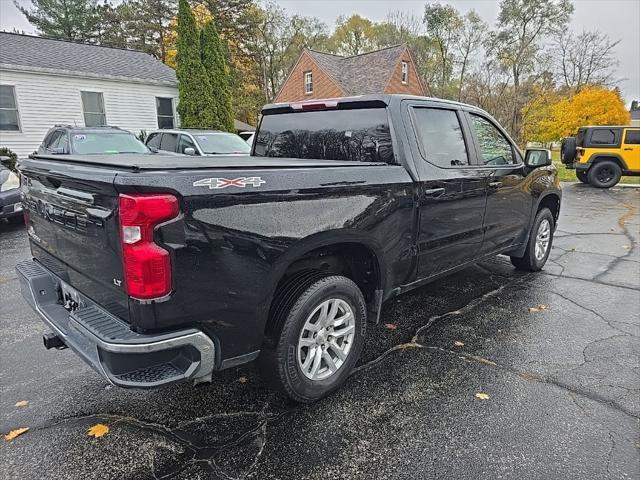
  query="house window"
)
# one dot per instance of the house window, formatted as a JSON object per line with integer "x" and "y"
{"x": 8, "y": 109}
{"x": 166, "y": 116}
{"x": 93, "y": 107}
{"x": 308, "y": 83}
{"x": 405, "y": 73}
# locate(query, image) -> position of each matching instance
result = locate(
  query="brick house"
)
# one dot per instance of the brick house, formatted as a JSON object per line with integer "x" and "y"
{"x": 324, "y": 75}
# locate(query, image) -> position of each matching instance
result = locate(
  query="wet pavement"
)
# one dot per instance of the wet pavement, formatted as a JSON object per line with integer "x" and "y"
{"x": 562, "y": 382}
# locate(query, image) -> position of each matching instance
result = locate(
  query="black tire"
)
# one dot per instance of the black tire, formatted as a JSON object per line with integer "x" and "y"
{"x": 529, "y": 261}
{"x": 604, "y": 174}
{"x": 279, "y": 358}
{"x": 582, "y": 176}
{"x": 17, "y": 220}
{"x": 568, "y": 150}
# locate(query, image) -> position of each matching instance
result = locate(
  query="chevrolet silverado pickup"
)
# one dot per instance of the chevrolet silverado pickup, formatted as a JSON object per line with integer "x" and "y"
{"x": 157, "y": 270}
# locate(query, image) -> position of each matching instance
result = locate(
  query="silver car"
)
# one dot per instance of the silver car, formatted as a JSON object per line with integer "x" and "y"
{"x": 197, "y": 142}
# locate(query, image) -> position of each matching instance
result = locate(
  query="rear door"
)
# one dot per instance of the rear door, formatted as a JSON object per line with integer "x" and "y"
{"x": 631, "y": 149}
{"x": 451, "y": 188}
{"x": 509, "y": 200}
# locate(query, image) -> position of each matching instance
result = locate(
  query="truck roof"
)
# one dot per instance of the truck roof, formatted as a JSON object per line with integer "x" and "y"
{"x": 385, "y": 99}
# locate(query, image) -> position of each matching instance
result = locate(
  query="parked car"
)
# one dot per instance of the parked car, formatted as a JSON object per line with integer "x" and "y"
{"x": 71, "y": 140}
{"x": 10, "y": 205}
{"x": 197, "y": 142}
{"x": 602, "y": 155}
{"x": 246, "y": 135}
{"x": 166, "y": 271}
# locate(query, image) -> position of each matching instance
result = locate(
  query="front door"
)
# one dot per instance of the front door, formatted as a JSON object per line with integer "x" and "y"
{"x": 509, "y": 201}
{"x": 451, "y": 191}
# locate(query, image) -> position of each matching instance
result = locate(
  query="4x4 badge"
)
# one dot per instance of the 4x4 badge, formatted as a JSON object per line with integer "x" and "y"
{"x": 229, "y": 182}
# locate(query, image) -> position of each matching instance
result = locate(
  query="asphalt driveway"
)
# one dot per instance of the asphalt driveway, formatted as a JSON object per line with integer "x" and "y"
{"x": 556, "y": 355}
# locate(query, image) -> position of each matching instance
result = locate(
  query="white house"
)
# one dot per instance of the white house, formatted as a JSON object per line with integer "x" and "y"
{"x": 44, "y": 82}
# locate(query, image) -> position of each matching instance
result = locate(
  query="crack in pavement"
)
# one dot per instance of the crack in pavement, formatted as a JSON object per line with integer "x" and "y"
{"x": 622, "y": 223}
{"x": 193, "y": 451}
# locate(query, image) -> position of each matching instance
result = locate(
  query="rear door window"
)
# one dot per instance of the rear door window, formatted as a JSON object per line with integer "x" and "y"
{"x": 169, "y": 142}
{"x": 358, "y": 135}
{"x": 440, "y": 135}
{"x": 603, "y": 136}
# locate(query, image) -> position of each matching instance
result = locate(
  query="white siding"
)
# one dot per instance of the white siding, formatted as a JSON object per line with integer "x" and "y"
{"x": 45, "y": 100}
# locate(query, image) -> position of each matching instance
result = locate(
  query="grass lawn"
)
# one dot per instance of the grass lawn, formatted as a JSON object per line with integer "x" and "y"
{"x": 567, "y": 175}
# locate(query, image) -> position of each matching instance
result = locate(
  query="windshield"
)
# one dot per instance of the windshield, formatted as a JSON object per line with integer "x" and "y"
{"x": 98, "y": 142}
{"x": 217, "y": 143}
{"x": 358, "y": 135}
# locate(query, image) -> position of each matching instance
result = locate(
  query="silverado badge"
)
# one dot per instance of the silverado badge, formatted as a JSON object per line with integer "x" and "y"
{"x": 229, "y": 182}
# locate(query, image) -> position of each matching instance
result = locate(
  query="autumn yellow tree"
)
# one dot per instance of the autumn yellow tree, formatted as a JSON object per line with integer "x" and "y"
{"x": 550, "y": 118}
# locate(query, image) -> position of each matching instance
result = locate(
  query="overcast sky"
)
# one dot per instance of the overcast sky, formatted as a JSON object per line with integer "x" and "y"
{"x": 620, "y": 19}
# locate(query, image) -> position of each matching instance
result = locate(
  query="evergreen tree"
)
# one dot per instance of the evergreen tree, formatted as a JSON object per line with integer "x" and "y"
{"x": 196, "y": 106}
{"x": 63, "y": 19}
{"x": 213, "y": 60}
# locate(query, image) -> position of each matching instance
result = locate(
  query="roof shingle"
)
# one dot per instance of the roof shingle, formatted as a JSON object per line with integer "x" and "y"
{"x": 92, "y": 60}
{"x": 360, "y": 74}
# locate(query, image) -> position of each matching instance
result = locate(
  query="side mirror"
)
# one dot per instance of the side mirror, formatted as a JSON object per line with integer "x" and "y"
{"x": 189, "y": 151}
{"x": 537, "y": 157}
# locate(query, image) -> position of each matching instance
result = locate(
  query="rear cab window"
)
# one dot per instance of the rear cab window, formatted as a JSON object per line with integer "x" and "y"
{"x": 358, "y": 135}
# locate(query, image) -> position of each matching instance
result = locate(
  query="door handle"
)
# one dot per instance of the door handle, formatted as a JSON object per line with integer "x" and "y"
{"x": 495, "y": 184}
{"x": 628, "y": 148}
{"x": 433, "y": 192}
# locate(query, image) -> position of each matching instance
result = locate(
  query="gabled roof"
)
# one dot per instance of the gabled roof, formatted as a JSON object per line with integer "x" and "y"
{"x": 27, "y": 52}
{"x": 360, "y": 74}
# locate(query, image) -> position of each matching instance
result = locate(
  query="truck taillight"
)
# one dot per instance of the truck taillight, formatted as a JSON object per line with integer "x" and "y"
{"x": 147, "y": 266}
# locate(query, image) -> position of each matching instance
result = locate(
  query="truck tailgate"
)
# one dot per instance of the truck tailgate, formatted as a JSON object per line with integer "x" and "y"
{"x": 71, "y": 219}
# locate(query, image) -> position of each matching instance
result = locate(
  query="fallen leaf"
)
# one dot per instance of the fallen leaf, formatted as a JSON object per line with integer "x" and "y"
{"x": 98, "y": 430}
{"x": 15, "y": 433}
{"x": 537, "y": 308}
{"x": 482, "y": 396}
{"x": 390, "y": 326}
{"x": 458, "y": 343}
{"x": 242, "y": 379}
{"x": 22, "y": 403}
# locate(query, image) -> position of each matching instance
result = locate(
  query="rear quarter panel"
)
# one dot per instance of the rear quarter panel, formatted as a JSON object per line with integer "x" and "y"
{"x": 232, "y": 245}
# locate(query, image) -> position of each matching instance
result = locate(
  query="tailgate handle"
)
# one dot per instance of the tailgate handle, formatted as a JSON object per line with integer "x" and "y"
{"x": 433, "y": 192}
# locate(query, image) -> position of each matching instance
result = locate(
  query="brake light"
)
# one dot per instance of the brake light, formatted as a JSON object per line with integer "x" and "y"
{"x": 314, "y": 106}
{"x": 147, "y": 266}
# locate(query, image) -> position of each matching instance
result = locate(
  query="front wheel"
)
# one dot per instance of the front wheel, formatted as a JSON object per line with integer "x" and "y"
{"x": 604, "y": 174}
{"x": 582, "y": 176}
{"x": 539, "y": 245}
{"x": 320, "y": 339}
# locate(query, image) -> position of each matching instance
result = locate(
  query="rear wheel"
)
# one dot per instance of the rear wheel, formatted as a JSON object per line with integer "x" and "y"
{"x": 604, "y": 174}
{"x": 539, "y": 246}
{"x": 320, "y": 339}
{"x": 582, "y": 176}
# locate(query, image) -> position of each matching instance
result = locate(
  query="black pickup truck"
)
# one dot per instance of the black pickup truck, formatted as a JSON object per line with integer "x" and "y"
{"x": 157, "y": 270}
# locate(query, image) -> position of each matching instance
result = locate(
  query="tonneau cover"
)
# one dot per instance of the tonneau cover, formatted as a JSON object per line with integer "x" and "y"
{"x": 175, "y": 162}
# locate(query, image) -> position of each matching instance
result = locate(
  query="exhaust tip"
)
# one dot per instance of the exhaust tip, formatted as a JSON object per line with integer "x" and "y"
{"x": 51, "y": 340}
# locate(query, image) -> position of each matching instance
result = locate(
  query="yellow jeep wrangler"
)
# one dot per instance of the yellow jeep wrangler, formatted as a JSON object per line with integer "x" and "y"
{"x": 601, "y": 155}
